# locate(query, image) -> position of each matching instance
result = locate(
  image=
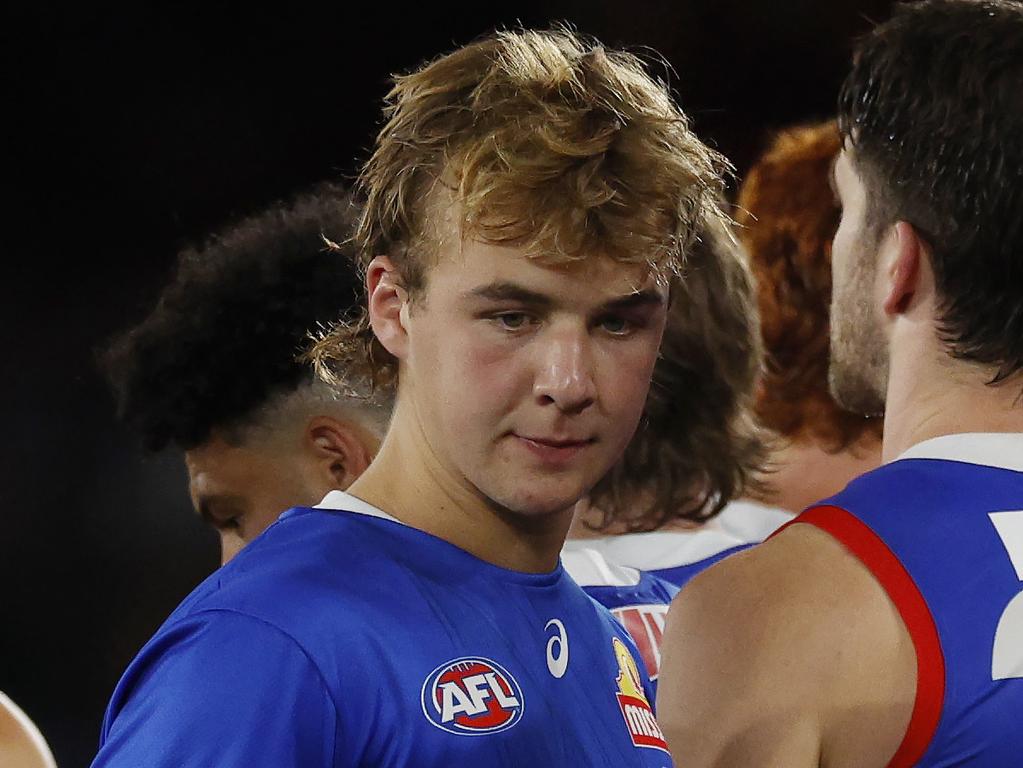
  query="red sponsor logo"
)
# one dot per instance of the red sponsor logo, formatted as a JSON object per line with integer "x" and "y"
{"x": 639, "y": 717}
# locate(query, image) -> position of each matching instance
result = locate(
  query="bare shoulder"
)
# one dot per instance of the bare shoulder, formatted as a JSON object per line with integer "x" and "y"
{"x": 21, "y": 744}
{"x": 774, "y": 652}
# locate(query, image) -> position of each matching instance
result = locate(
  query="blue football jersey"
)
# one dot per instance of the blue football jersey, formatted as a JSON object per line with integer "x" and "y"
{"x": 345, "y": 638}
{"x": 941, "y": 529}
{"x": 639, "y": 600}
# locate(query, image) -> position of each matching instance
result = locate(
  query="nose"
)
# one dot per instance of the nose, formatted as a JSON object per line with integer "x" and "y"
{"x": 565, "y": 377}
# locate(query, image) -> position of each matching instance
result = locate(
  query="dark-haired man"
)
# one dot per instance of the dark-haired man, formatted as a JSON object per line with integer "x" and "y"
{"x": 213, "y": 368}
{"x": 898, "y": 641}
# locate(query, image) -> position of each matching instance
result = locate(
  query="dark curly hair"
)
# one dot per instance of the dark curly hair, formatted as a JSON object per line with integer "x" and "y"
{"x": 224, "y": 336}
{"x": 699, "y": 445}
{"x": 788, "y": 215}
{"x": 933, "y": 108}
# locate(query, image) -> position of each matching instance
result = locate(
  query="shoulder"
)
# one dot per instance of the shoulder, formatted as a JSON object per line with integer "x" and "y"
{"x": 796, "y": 628}
{"x": 217, "y": 667}
{"x": 20, "y": 740}
{"x": 306, "y": 558}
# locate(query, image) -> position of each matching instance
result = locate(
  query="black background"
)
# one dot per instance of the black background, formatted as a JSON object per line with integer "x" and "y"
{"x": 130, "y": 133}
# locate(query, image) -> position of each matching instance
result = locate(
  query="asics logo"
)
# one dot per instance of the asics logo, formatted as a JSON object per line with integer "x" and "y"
{"x": 557, "y": 649}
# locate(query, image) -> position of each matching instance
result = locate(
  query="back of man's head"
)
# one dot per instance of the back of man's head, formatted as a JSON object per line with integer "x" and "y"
{"x": 215, "y": 368}
{"x": 933, "y": 112}
{"x": 219, "y": 351}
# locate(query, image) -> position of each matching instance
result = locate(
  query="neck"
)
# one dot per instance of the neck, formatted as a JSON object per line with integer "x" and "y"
{"x": 409, "y": 481}
{"x": 930, "y": 395}
{"x": 803, "y": 473}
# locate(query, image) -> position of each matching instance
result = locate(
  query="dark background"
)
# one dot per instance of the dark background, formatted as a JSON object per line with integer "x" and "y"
{"x": 131, "y": 133}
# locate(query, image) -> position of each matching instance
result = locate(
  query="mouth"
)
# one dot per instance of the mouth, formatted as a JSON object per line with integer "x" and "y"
{"x": 553, "y": 450}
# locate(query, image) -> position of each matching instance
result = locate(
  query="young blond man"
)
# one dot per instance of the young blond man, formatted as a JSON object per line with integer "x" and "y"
{"x": 527, "y": 202}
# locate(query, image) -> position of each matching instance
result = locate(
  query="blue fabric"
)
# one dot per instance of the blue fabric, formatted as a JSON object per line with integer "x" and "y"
{"x": 934, "y": 517}
{"x": 340, "y": 639}
{"x": 640, "y": 608}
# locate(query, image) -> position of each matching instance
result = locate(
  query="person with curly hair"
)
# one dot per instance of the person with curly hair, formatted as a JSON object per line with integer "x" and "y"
{"x": 884, "y": 626}
{"x": 215, "y": 370}
{"x": 529, "y": 201}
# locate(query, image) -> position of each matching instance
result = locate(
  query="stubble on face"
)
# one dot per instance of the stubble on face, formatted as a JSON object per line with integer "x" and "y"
{"x": 858, "y": 369}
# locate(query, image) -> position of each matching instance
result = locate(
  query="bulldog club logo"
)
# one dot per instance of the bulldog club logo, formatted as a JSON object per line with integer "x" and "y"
{"x": 472, "y": 696}
{"x": 639, "y": 717}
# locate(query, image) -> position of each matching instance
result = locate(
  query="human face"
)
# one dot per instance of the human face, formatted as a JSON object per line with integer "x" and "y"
{"x": 527, "y": 381}
{"x": 858, "y": 372}
{"x": 241, "y": 489}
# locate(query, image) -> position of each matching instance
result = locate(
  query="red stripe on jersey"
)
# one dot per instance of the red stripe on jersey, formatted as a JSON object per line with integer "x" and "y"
{"x": 871, "y": 550}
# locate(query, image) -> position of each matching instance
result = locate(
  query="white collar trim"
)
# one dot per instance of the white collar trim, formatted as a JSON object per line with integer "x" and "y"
{"x": 993, "y": 449}
{"x": 341, "y": 501}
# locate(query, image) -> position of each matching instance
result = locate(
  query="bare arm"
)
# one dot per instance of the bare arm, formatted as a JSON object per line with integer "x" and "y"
{"x": 787, "y": 655}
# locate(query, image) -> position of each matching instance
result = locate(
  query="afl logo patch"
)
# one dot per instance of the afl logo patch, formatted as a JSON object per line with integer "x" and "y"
{"x": 472, "y": 696}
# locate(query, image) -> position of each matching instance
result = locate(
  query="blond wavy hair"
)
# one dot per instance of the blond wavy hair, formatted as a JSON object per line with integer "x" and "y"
{"x": 543, "y": 140}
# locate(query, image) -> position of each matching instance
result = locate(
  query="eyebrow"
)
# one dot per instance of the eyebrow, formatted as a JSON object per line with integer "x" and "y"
{"x": 511, "y": 292}
{"x": 207, "y": 502}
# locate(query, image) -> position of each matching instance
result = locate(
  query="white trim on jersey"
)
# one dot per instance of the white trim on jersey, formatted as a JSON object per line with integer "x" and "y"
{"x": 658, "y": 550}
{"x": 1003, "y": 450}
{"x": 749, "y": 521}
{"x": 741, "y": 522}
{"x": 589, "y": 568}
{"x": 340, "y": 501}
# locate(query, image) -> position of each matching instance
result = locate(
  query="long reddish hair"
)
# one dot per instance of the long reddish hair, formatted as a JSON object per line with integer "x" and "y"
{"x": 788, "y": 217}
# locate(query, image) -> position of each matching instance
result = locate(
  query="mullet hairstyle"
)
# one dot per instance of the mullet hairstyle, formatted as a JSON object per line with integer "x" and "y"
{"x": 787, "y": 217}
{"x": 699, "y": 446}
{"x": 541, "y": 139}
{"x": 933, "y": 109}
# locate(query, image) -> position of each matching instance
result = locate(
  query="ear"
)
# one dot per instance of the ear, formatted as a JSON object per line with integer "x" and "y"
{"x": 341, "y": 450}
{"x": 387, "y": 305}
{"x": 903, "y": 270}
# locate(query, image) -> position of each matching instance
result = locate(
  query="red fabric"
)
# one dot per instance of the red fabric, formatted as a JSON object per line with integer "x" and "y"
{"x": 868, "y": 547}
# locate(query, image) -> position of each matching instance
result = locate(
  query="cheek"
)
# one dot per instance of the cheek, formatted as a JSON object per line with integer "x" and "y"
{"x": 624, "y": 377}
{"x": 466, "y": 370}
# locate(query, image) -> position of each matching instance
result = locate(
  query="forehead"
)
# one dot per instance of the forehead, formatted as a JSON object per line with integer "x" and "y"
{"x": 595, "y": 279}
{"x": 217, "y": 464}
{"x": 459, "y": 258}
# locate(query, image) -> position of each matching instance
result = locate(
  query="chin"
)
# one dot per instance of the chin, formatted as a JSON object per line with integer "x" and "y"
{"x": 536, "y": 505}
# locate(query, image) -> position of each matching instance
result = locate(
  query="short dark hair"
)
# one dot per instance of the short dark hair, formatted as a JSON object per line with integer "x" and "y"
{"x": 224, "y": 336}
{"x": 933, "y": 108}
